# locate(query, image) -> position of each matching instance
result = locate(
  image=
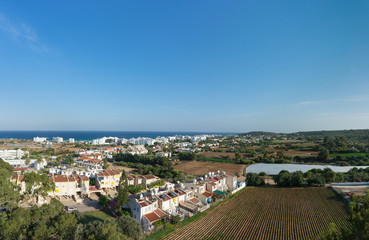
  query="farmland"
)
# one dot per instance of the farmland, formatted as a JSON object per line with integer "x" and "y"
{"x": 201, "y": 168}
{"x": 268, "y": 213}
{"x": 344, "y": 155}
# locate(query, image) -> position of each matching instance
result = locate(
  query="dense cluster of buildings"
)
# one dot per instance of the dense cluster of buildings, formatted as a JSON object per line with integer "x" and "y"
{"x": 148, "y": 141}
{"x": 13, "y": 154}
{"x": 182, "y": 199}
{"x": 54, "y": 140}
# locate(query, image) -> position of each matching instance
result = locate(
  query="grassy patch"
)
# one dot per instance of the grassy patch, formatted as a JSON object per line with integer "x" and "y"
{"x": 344, "y": 155}
{"x": 94, "y": 216}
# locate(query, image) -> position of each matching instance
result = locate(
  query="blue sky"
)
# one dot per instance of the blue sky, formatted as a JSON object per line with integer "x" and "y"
{"x": 184, "y": 65}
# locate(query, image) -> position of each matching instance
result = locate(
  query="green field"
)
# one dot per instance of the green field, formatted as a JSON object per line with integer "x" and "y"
{"x": 94, "y": 216}
{"x": 344, "y": 155}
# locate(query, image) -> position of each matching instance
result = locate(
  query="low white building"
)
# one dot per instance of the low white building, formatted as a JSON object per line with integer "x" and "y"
{"x": 12, "y": 154}
{"x": 58, "y": 139}
{"x": 163, "y": 154}
{"x": 39, "y": 139}
{"x": 76, "y": 186}
{"x": 108, "y": 178}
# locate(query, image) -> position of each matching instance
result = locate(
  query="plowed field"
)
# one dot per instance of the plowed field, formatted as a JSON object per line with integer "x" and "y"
{"x": 269, "y": 213}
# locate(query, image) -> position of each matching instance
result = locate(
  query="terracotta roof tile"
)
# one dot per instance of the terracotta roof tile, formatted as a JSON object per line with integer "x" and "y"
{"x": 194, "y": 201}
{"x": 152, "y": 217}
{"x": 207, "y": 194}
{"x": 159, "y": 213}
{"x": 143, "y": 204}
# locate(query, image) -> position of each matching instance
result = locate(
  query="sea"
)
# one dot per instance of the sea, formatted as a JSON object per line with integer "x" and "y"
{"x": 89, "y": 135}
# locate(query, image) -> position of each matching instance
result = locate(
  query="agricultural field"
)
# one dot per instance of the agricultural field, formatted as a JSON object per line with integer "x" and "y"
{"x": 201, "y": 168}
{"x": 345, "y": 155}
{"x": 268, "y": 213}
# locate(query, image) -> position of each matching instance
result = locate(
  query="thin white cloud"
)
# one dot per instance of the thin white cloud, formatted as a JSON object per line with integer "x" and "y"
{"x": 23, "y": 33}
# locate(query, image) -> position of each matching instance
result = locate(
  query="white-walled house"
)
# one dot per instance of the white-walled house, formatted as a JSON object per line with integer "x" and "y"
{"x": 149, "y": 179}
{"x": 145, "y": 209}
{"x": 197, "y": 187}
{"x": 231, "y": 181}
{"x": 108, "y": 178}
{"x": 75, "y": 186}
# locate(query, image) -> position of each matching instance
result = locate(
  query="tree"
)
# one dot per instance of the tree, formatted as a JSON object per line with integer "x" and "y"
{"x": 359, "y": 208}
{"x": 129, "y": 227}
{"x": 48, "y": 221}
{"x": 122, "y": 193}
{"x": 176, "y": 219}
{"x": 106, "y": 164}
{"x": 359, "y": 219}
{"x": 323, "y": 154}
{"x": 7, "y": 193}
{"x": 69, "y": 160}
{"x": 329, "y": 175}
{"x": 183, "y": 156}
{"x": 284, "y": 178}
{"x": 103, "y": 200}
{"x": 237, "y": 156}
{"x": 38, "y": 184}
{"x": 316, "y": 180}
{"x": 97, "y": 230}
{"x": 297, "y": 179}
{"x": 254, "y": 179}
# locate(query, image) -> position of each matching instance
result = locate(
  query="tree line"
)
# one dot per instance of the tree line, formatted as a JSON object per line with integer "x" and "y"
{"x": 313, "y": 177}
{"x": 158, "y": 166}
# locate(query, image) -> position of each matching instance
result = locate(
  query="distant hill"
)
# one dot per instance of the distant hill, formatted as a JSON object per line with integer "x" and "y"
{"x": 259, "y": 133}
{"x": 361, "y": 135}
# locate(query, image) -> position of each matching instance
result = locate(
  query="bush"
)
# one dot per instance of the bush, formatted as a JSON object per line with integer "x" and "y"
{"x": 103, "y": 200}
{"x": 254, "y": 179}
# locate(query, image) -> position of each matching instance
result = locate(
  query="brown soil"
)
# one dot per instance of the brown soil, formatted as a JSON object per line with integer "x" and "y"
{"x": 202, "y": 168}
{"x": 127, "y": 169}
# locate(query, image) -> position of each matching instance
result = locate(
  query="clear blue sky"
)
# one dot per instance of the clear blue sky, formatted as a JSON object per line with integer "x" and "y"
{"x": 184, "y": 65}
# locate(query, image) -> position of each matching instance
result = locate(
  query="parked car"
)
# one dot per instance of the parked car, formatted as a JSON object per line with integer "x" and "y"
{"x": 70, "y": 209}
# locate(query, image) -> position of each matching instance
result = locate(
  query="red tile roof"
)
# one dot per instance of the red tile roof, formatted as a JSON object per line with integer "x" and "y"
{"x": 230, "y": 175}
{"x": 164, "y": 197}
{"x": 84, "y": 178}
{"x": 149, "y": 176}
{"x": 194, "y": 201}
{"x": 159, "y": 213}
{"x": 143, "y": 204}
{"x": 20, "y": 169}
{"x": 152, "y": 217}
{"x": 60, "y": 178}
{"x": 207, "y": 194}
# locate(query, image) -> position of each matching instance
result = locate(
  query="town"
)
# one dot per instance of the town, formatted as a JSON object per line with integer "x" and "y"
{"x": 81, "y": 178}
{"x": 165, "y": 182}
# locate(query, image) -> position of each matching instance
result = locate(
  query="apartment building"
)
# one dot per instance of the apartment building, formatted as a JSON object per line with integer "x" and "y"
{"x": 108, "y": 178}
{"x": 75, "y": 186}
{"x": 13, "y": 154}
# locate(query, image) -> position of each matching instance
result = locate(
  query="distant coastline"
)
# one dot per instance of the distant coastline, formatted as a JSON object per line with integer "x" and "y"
{"x": 89, "y": 135}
